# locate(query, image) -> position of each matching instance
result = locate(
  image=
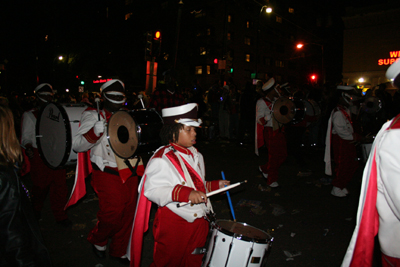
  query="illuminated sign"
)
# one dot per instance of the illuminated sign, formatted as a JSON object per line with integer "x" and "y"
{"x": 101, "y": 80}
{"x": 394, "y": 56}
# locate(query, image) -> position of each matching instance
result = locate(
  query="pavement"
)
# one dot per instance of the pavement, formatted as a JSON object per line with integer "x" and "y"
{"x": 309, "y": 226}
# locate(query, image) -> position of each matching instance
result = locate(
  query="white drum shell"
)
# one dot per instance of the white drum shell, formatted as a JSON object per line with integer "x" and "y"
{"x": 239, "y": 255}
{"x": 54, "y": 136}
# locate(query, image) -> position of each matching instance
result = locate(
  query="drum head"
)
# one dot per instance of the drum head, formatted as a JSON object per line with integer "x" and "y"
{"x": 122, "y": 134}
{"x": 283, "y": 110}
{"x": 243, "y": 230}
{"x": 53, "y": 135}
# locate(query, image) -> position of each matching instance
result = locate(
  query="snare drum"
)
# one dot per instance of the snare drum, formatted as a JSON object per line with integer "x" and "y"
{"x": 236, "y": 244}
{"x": 55, "y": 127}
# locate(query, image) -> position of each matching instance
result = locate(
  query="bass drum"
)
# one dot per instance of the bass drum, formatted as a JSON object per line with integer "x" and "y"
{"x": 234, "y": 244}
{"x": 313, "y": 111}
{"x": 149, "y": 124}
{"x": 55, "y": 127}
{"x": 134, "y": 132}
{"x": 288, "y": 110}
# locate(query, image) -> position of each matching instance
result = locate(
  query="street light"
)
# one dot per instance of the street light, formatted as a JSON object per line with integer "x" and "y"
{"x": 301, "y": 45}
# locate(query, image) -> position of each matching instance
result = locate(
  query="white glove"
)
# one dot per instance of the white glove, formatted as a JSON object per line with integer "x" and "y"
{"x": 99, "y": 128}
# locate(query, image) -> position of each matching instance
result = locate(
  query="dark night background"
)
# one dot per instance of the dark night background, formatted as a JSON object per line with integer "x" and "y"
{"x": 94, "y": 40}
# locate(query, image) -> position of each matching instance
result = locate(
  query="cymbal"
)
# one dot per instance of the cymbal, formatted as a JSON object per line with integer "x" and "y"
{"x": 122, "y": 134}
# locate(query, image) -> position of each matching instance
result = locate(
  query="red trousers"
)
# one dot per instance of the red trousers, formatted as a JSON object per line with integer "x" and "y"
{"x": 117, "y": 204}
{"x": 345, "y": 158}
{"x": 277, "y": 153}
{"x": 390, "y": 261}
{"x": 48, "y": 181}
{"x": 175, "y": 239}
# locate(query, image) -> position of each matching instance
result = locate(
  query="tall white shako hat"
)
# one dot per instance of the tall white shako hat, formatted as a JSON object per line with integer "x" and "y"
{"x": 113, "y": 87}
{"x": 393, "y": 73}
{"x": 184, "y": 114}
{"x": 268, "y": 85}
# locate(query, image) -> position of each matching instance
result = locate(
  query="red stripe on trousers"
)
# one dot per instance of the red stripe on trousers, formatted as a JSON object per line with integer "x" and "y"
{"x": 175, "y": 239}
{"x": 345, "y": 155}
{"x": 117, "y": 203}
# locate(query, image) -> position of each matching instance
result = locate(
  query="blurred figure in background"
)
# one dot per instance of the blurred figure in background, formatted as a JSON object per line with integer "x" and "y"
{"x": 21, "y": 243}
{"x": 45, "y": 180}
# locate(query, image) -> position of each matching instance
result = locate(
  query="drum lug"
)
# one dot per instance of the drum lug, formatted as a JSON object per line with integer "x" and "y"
{"x": 199, "y": 251}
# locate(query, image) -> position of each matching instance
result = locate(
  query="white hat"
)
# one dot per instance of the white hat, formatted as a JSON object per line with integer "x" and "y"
{"x": 185, "y": 114}
{"x": 345, "y": 87}
{"x": 269, "y": 84}
{"x": 44, "y": 89}
{"x": 393, "y": 72}
{"x": 113, "y": 85}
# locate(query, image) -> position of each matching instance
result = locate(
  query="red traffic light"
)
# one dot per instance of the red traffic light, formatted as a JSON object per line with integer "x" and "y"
{"x": 215, "y": 60}
{"x": 313, "y": 77}
{"x": 157, "y": 35}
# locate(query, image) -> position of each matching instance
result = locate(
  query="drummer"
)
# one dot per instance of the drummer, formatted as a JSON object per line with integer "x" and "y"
{"x": 44, "y": 179}
{"x": 176, "y": 173}
{"x": 117, "y": 195}
{"x": 270, "y": 133}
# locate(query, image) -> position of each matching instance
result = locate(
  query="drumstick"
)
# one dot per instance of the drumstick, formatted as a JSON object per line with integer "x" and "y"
{"x": 214, "y": 192}
{"x": 229, "y": 199}
{"x": 140, "y": 97}
{"x": 97, "y": 100}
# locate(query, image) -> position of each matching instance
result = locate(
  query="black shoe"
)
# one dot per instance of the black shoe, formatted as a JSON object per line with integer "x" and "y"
{"x": 65, "y": 223}
{"x": 99, "y": 253}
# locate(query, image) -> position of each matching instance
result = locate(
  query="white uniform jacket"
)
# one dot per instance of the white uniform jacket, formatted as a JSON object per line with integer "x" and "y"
{"x": 263, "y": 119}
{"x": 339, "y": 124}
{"x": 162, "y": 177}
{"x": 28, "y": 131}
{"x": 387, "y": 162}
{"x": 100, "y": 150}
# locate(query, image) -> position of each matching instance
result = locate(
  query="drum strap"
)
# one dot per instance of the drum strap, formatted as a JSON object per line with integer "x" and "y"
{"x": 345, "y": 114}
{"x": 109, "y": 170}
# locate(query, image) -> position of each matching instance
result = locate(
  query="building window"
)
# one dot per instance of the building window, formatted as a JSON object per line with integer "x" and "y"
{"x": 247, "y": 57}
{"x": 248, "y": 24}
{"x": 203, "y": 51}
{"x": 278, "y": 19}
{"x": 291, "y": 10}
{"x": 128, "y": 16}
{"x": 208, "y": 31}
{"x": 247, "y": 40}
{"x": 279, "y": 63}
{"x": 229, "y": 36}
{"x": 208, "y": 69}
{"x": 229, "y": 18}
{"x": 199, "y": 70}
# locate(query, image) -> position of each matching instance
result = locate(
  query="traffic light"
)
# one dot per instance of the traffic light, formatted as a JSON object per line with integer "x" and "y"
{"x": 313, "y": 78}
{"x": 82, "y": 82}
{"x": 156, "y": 49}
{"x": 215, "y": 60}
{"x": 148, "y": 45}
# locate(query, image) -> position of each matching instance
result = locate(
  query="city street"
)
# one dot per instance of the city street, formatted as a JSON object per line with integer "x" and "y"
{"x": 310, "y": 227}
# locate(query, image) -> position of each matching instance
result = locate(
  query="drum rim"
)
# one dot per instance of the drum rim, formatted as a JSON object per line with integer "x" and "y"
{"x": 243, "y": 237}
{"x": 68, "y": 142}
{"x": 108, "y": 135}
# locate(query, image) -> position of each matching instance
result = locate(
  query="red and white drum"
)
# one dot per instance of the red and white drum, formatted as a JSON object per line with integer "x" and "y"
{"x": 234, "y": 244}
{"x": 56, "y": 126}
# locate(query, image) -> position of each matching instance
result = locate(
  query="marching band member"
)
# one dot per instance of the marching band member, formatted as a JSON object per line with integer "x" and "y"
{"x": 270, "y": 133}
{"x": 341, "y": 138}
{"x": 44, "y": 179}
{"x": 117, "y": 194}
{"x": 174, "y": 174}
{"x": 379, "y": 205}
